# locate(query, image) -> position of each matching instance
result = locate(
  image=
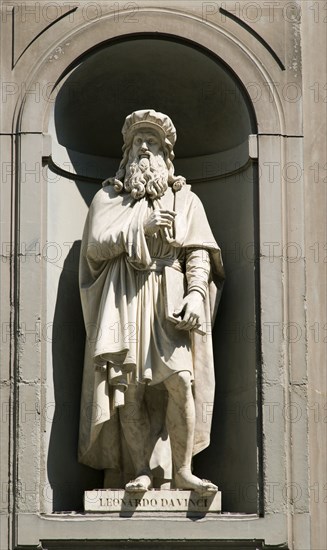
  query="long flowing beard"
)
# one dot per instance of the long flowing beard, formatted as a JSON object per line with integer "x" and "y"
{"x": 146, "y": 176}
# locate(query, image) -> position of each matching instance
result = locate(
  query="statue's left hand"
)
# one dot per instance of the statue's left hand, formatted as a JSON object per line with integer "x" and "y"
{"x": 190, "y": 310}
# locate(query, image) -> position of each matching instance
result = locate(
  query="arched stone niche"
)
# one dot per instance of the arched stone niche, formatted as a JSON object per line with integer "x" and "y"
{"x": 214, "y": 119}
{"x": 39, "y": 218}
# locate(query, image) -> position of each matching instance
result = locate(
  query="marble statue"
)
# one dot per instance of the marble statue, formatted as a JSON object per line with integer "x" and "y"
{"x": 148, "y": 383}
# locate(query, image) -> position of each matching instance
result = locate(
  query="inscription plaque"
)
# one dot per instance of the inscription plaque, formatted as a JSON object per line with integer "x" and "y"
{"x": 173, "y": 500}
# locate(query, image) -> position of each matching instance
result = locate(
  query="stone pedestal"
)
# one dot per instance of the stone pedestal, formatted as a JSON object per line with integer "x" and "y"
{"x": 156, "y": 500}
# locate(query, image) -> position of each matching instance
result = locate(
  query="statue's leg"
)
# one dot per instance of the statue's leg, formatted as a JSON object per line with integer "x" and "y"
{"x": 135, "y": 425}
{"x": 181, "y": 425}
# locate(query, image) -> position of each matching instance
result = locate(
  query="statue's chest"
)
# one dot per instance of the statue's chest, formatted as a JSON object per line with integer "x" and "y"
{"x": 166, "y": 202}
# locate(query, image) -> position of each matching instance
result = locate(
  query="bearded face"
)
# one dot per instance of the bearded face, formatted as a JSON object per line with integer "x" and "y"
{"x": 146, "y": 171}
{"x": 146, "y": 176}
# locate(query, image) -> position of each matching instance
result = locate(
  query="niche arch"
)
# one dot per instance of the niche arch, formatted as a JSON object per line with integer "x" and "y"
{"x": 269, "y": 111}
{"x": 214, "y": 119}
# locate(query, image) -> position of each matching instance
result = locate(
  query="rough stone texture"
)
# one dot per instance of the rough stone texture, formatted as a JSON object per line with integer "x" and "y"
{"x": 38, "y": 43}
{"x": 315, "y": 116}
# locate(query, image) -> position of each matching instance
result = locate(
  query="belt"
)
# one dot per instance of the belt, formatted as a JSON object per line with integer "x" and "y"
{"x": 158, "y": 265}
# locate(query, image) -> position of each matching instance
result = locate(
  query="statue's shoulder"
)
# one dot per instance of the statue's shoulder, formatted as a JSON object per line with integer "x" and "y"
{"x": 107, "y": 195}
{"x": 187, "y": 194}
{"x": 106, "y": 192}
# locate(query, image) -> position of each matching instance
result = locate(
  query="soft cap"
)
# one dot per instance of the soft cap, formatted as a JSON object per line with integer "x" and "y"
{"x": 148, "y": 118}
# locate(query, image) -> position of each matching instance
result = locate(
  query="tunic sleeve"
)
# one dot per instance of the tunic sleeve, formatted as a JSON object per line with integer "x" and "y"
{"x": 197, "y": 270}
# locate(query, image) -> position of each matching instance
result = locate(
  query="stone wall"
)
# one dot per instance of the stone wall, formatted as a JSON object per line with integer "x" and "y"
{"x": 266, "y": 192}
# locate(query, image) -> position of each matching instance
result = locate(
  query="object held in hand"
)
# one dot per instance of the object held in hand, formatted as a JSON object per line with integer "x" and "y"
{"x": 174, "y": 292}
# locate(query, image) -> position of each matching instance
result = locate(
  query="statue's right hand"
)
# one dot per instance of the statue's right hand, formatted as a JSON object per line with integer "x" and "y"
{"x": 158, "y": 219}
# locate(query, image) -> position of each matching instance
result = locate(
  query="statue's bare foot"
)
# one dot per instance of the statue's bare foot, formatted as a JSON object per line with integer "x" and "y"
{"x": 140, "y": 484}
{"x": 184, "y": 479}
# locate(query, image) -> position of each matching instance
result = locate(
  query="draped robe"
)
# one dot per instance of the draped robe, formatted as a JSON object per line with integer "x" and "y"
{"x": 128, "y": 339}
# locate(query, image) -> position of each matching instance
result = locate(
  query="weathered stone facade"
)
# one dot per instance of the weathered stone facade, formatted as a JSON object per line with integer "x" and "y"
{"x": 251, "y": 78}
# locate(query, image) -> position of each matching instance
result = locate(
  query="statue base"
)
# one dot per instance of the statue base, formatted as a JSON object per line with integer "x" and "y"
{"x": 155, "y": 500}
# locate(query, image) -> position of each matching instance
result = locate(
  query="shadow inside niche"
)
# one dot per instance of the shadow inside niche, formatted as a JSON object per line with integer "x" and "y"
{"x": 68, "y": 478}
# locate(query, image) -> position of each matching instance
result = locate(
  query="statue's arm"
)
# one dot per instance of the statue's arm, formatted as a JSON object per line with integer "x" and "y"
{"x": 197, "y": 270}
{"x": 197, "y": 276}
{"x": 105, "y": 232}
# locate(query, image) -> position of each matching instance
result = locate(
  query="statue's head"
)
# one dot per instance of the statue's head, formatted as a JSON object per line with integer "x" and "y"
{"x": 146, "y": 167}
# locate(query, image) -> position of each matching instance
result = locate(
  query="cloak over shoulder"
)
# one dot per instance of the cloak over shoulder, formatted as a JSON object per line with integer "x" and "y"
{"x": 113, "y": 247}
